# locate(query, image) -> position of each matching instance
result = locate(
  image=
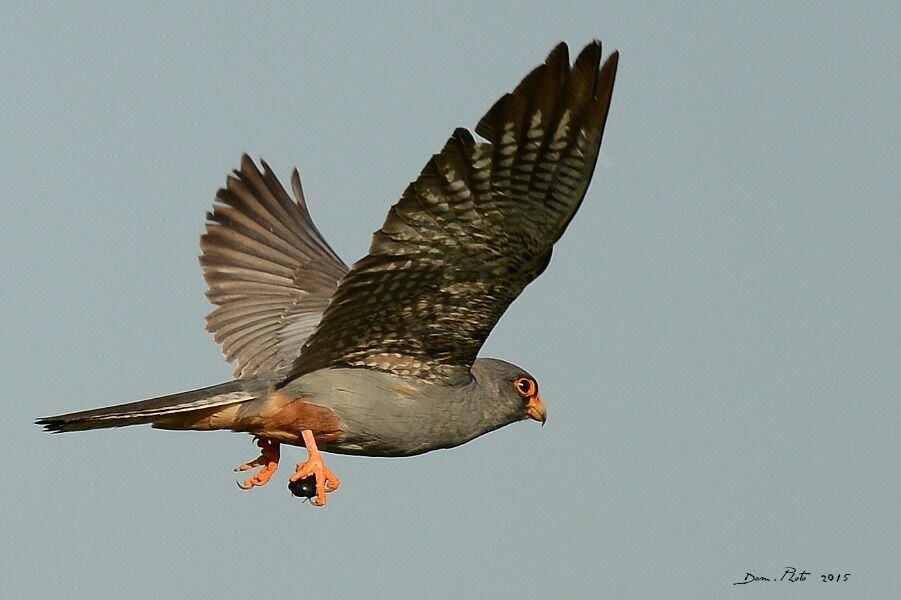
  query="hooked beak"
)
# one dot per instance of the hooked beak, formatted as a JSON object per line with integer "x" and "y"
{"x": 537, "y": 411}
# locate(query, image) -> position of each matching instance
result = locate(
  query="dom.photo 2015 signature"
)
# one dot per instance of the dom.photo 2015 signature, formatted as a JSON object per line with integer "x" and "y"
{"x": 792, "y": 575}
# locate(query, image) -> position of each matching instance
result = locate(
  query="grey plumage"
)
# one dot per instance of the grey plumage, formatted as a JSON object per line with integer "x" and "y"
{"x": 383, "y": 414}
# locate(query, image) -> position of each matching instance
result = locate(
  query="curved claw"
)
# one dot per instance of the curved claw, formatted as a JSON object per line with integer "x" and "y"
{"x": 268, "y": 460}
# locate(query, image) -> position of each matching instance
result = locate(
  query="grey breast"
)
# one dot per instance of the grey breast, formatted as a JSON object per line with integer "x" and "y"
{"x": 386, "y": 415}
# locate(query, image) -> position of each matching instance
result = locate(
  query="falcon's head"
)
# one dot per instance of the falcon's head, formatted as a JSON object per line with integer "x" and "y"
{"x": 512, "y": 391}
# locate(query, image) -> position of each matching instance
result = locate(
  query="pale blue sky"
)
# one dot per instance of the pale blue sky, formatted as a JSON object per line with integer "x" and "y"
{"x": 717, "y": 338}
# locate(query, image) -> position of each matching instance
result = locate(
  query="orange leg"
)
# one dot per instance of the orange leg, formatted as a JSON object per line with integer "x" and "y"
{"x": 268, "y": 459}
{"x": 325, "y": 479}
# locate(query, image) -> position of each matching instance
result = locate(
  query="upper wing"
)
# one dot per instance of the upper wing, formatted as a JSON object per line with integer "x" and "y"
{"x": 472, "y": 231}
{"x": 268, "y": 269}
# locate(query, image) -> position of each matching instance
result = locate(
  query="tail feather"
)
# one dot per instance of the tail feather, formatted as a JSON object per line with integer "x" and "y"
{"x": 156, "y": 410}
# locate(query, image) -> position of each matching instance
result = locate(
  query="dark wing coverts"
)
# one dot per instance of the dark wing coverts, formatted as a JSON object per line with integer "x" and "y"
{"x": 268, "y": 269}
{"x": 472, "y": 231}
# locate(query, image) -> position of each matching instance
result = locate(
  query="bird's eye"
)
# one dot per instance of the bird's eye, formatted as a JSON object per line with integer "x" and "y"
{"x": 525, "y": 386}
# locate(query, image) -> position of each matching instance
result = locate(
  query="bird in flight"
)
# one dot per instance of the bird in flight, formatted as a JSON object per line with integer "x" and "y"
{"x": 381, "y": 359}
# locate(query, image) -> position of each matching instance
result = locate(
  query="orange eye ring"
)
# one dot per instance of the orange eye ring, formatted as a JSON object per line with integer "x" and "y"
{"x": 525, "y": 387}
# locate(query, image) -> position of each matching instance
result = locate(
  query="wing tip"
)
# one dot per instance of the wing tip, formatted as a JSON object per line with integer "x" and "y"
{"x": 586, "y": 67}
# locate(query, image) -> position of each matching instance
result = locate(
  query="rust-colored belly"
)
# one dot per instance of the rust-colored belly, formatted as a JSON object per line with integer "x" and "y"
{"x": 278, "y": 417}
{"x": 284, "y": 419}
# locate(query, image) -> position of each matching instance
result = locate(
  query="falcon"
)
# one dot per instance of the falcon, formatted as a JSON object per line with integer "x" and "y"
{"x": 381, "y": 359}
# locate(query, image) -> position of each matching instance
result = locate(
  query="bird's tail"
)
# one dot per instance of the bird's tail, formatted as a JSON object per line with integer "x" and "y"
{"x": 196, "y": 409}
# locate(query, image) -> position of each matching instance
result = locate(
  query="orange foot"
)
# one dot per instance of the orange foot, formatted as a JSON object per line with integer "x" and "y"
{"x": 325, "y": 479}
{"x": 268, "y": 459}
